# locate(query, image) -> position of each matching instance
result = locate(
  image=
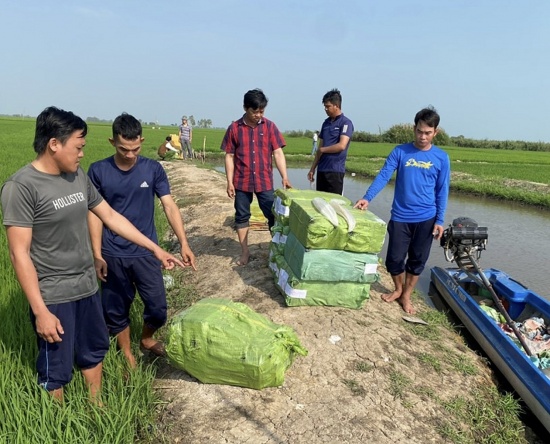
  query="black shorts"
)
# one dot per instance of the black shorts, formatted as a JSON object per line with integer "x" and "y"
{"x": 330, "y": 182}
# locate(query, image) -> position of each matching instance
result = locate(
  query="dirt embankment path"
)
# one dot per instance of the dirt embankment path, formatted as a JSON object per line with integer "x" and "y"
{"x": 375, "y": 384}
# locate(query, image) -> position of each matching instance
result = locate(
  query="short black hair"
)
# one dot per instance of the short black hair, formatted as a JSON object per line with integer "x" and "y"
{"x": 333, "y": 96}
{"x": 427, "y": 115}
{"x": 55, "y": 123}
{"x": 127, "y": 126}
{"x": 255, "y": 99}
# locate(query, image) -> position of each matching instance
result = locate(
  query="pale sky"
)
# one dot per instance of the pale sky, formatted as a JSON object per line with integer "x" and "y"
{"x": 483, "y": 64}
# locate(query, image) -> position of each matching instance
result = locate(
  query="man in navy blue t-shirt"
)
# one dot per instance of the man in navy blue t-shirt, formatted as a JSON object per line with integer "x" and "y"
{"x": 129, "y": 183}
{"x": 334, "y": 140}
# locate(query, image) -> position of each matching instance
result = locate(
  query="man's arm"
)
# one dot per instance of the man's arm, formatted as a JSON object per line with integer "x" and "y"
{"x": 123, "y": 227}
{"x": 336, "y": 148}
{"x": 176, "y": 222}
{"x": 48, "y": 326}
{"x": 229, "y": 174}
{"x": 96, "y": 235}
{"x": 441, "y": 197}
{"x": 380, "y": 181}
{"x": 280, "y": 162}
{"x": 311, "y": 173}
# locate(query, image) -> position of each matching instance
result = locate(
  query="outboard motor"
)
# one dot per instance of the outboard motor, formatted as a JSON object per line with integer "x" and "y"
{"x": 463, "y": 243}
{"x": 462, "y": 240}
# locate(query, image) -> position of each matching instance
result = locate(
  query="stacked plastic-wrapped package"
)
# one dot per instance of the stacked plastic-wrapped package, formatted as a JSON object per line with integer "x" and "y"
{"x": 323, "y": 251}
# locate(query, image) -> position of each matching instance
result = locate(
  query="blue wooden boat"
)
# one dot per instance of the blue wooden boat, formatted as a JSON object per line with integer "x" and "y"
{"x": 463, "y": 292}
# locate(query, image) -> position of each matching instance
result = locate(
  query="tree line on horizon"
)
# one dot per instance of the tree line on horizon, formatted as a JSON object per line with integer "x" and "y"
{"x": 404, "y": 132}
{"x": 201, "y": 123}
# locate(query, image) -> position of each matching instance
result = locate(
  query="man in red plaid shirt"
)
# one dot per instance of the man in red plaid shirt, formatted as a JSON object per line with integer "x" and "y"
{"x": 250, "y": 144}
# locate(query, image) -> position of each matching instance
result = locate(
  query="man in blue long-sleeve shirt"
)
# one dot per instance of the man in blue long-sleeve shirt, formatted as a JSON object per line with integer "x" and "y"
{"x": 419, "y": 204}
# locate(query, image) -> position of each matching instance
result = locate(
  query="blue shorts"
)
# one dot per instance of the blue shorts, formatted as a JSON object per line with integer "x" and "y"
{"x": 411, "y": 241}
{"x": 85, "y": 342}
{"x": 243, "y": 199}
{"x": 124, "y": 277}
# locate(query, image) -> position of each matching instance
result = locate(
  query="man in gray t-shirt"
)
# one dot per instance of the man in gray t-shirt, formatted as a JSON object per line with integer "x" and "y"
{"x": 55, "y": 208}
{"x": 45, "y": 207}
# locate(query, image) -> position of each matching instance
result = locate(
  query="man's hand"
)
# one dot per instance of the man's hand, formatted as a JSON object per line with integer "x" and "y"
{"x": 362, "y": 204}
{"x": 311, "y": 176}
{"x": 231, "y": 191}
{"x": 188, "y": 257}
{"x": 168, "y": 260}
{"x": 48, "y": 327}
{"x": 286, "y": 184}
{"x": 100, "y": 269}
{"x": 438, "y": 231}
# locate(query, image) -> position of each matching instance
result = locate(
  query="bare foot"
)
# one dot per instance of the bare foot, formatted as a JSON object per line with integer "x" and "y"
{"x": 131, "y": 360}
{"x": 407, "y": 306}
{"x": 244, "y": 259}
{"x": 390, "y": 297}
{"x": 97, "y": 401}
{"x": 157, "y": 348}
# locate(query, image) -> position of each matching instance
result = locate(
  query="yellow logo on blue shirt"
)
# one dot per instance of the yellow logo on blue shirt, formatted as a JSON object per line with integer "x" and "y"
{"x": 419, "y": 164}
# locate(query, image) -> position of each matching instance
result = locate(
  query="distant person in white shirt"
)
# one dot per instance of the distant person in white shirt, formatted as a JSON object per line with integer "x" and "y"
{"x": 315, "y": 139}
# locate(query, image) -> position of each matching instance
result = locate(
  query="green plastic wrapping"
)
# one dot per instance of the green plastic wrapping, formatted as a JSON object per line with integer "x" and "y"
{"x": 283, "y": 199}
{"x": 299, "y": 293}
{"x": 218, "y": 341}
{"x": 314, "y": 231}
{"x": 279, "y": 234}
{"x": 329, "y": 265}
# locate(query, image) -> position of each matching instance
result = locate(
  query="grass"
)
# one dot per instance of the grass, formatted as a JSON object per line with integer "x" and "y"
{"x": 355, "y": 388}
{"x": 493, "y": 418}
{"x": 364, "y": 367}
{"x": 30, "y": 415}
{"x": 399, "y": 383}
{"x": 431, "y": 361}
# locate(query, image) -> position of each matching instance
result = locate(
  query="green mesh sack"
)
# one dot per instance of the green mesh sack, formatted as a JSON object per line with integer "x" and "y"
{"x": 283, "y": 199}
{"x": 219, "y": 341}
{"x": 314, "y": 230}
{"x": 299, "y": 292}
{"x": 279, "y": 234}
{"x": 329, "y": 265}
